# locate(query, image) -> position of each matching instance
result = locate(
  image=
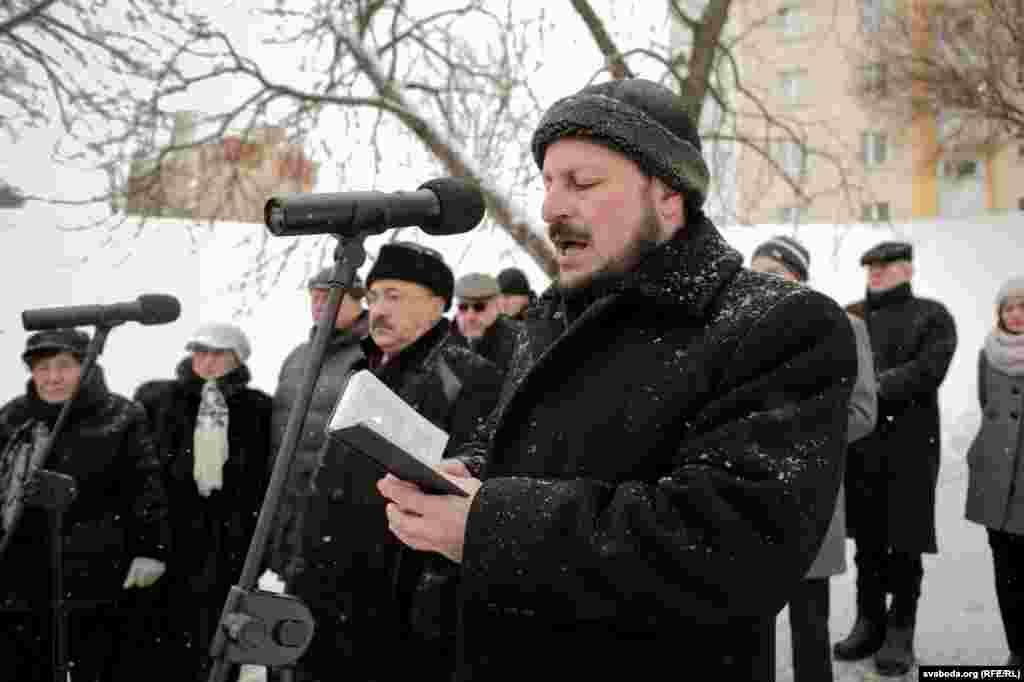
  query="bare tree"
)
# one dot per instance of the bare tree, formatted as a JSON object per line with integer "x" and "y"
{"x": 454, "y": 77}
{"x": 958, "y": 63}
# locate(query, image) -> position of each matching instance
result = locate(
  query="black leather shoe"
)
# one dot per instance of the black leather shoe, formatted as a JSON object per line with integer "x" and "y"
{"x": 864, "y": 640}
{"x": 897, "y": 654}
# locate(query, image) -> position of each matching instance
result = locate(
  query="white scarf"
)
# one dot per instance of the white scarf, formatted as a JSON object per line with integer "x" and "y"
{"x": 1005, "y": 352}
{"x": 210, "y": 440}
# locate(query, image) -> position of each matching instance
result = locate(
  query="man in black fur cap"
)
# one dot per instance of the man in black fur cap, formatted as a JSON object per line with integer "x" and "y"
{"x": 380, "y": 607}
{"x": 892, "y": 473}
{"x": 665, "y": 457}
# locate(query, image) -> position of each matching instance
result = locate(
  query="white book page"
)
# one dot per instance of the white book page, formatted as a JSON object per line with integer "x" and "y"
{"x": 368, "y": 401}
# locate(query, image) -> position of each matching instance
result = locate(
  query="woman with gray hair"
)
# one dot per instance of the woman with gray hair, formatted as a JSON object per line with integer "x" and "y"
{"x": 213, "y": 433}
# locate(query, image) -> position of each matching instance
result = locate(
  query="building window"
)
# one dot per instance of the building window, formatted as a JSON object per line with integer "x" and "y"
{"x": 1020, "y": 204}
{"x": 791, "y": 22}
{"x": 873, "y": 79}
{"x": 966, "y": 169}
{"x": 791, "y": 155}
{"x": 790, "y": 85}
{"x": 874, "y": 212}
{"x": 790, "y": 214}
{"x": 873, "y": 148}
{"x": 871, "y": 15}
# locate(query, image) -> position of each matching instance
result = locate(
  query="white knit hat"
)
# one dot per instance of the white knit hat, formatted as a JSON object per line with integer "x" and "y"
{"x": 221, "y": 336}
{"x": 1014, "y": 287}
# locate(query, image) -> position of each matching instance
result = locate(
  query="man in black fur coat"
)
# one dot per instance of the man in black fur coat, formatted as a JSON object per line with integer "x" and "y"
{"x": 666, "y": 453}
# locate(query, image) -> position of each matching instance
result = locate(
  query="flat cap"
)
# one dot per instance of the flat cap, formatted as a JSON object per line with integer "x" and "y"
{"x": 477, "y": 285}
{"x": 888, "y": 252}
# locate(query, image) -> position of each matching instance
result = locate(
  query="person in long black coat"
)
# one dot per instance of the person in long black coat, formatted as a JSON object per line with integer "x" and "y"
{"x": 385, "y": 612}
{"x": 892, "y": 473}
{"x": 214, "y": 503}
{"x": 115, "y": 533}
{"x": 351, "y": 325}
{"x": 665, "y": 456}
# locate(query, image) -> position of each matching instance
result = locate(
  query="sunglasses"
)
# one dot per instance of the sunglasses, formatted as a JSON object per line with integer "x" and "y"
{"x": 477, "y": 306}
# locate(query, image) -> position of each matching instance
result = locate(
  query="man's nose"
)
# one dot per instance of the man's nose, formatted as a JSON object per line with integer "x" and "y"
{"x": 555, "y": 207}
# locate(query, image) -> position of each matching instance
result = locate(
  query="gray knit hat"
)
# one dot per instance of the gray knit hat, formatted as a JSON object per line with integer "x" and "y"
{"x": 788, "y": 251}
{"x": 641, "y": 119}
{"x": 220, "y": 336}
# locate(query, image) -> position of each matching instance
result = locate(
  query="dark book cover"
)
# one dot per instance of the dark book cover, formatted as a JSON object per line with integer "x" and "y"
{"x": 396, "y": 460}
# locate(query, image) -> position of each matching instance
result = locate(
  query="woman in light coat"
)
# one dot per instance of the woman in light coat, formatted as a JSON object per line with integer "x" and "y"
{"x": 995, "y": 461}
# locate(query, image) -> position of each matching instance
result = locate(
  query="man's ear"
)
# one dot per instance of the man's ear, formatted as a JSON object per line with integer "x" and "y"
{"x": 669, "y": 205}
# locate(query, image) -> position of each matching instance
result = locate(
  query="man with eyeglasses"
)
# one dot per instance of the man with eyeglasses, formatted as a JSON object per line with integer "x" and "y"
{"x": 376, "y": 605}
{"x": 479, "y": 323}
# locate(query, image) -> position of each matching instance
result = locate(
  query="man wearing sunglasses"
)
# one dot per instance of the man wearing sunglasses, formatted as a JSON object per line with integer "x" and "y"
{"x": 479, "y": 322}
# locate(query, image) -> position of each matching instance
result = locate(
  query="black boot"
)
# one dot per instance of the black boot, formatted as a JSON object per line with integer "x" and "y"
{"x": 865, "y": 639}
{"x": 897, "y": 654}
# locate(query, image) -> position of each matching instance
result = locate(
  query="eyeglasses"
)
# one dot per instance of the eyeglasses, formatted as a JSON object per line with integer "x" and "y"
{"x": 391, "y": 297}
{"x": 477, "y": 306}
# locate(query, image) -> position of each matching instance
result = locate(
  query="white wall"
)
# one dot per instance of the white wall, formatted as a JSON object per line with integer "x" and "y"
{"x": 959, "y": 262}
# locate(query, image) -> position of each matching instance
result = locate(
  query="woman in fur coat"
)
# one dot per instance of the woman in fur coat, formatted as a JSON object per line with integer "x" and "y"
{"x": 213, "y": 432}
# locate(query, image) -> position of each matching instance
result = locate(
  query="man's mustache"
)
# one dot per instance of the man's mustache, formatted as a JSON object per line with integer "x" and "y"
{"x": 561, "y": 231}
{"x": 381, "y": 324}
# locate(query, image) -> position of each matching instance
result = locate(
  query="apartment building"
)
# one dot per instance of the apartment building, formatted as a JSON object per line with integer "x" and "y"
{"x": 227, "y": 180}
{"x": 804, "y": 61}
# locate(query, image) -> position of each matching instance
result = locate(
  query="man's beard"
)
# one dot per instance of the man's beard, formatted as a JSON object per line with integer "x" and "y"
{"x": 646, "y": 241}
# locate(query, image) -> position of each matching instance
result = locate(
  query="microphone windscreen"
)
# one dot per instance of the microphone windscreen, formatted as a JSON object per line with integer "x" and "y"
{"x": 158, "y": 308}
{"x": 462, "y": 206}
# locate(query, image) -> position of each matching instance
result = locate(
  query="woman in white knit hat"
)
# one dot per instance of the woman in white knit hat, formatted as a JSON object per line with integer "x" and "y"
{"x": 213, "y": 433}
{"x": 995, "y": 461}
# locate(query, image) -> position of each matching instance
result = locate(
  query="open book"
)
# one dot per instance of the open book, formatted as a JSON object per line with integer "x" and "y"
{"x": 374, "y": 420}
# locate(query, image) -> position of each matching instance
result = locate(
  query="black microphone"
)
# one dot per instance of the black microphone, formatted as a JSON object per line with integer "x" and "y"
{"x": 146, "y": 309}
{"x": 439, "y": 207}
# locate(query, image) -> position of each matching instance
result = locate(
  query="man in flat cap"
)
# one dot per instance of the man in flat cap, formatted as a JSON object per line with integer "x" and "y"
{"x": 892, "y": 473}
{"x": 479, "y": 323}
{"x": 379, "y": 606}
{"x": 666, "y": 453}
{"x": 516, "y": 294}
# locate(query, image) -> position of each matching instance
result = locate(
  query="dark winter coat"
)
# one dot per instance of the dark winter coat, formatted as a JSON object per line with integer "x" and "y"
{"x": 659, "y": 473}
{"x": 892, "y": 474}
{"x": 995, "y": 461}
{"x": 350, "y": 555}
{"x": 210, "y": 535}
{"x": 342, "y": 352}
{"x": 831, "y": 559}
{"x": 119, "y": 513}
{"x": 497, "y": 344}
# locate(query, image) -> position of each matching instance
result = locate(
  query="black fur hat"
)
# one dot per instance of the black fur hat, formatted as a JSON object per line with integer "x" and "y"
{"x": 66, "y": 340}
{"x": 413, "y": 262}
{"x": 641, "y": 119}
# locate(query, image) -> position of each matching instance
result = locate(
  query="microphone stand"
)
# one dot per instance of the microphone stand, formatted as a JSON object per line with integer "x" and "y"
{"x": 54, "y": 492}
{"x": 260, "y": 627}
